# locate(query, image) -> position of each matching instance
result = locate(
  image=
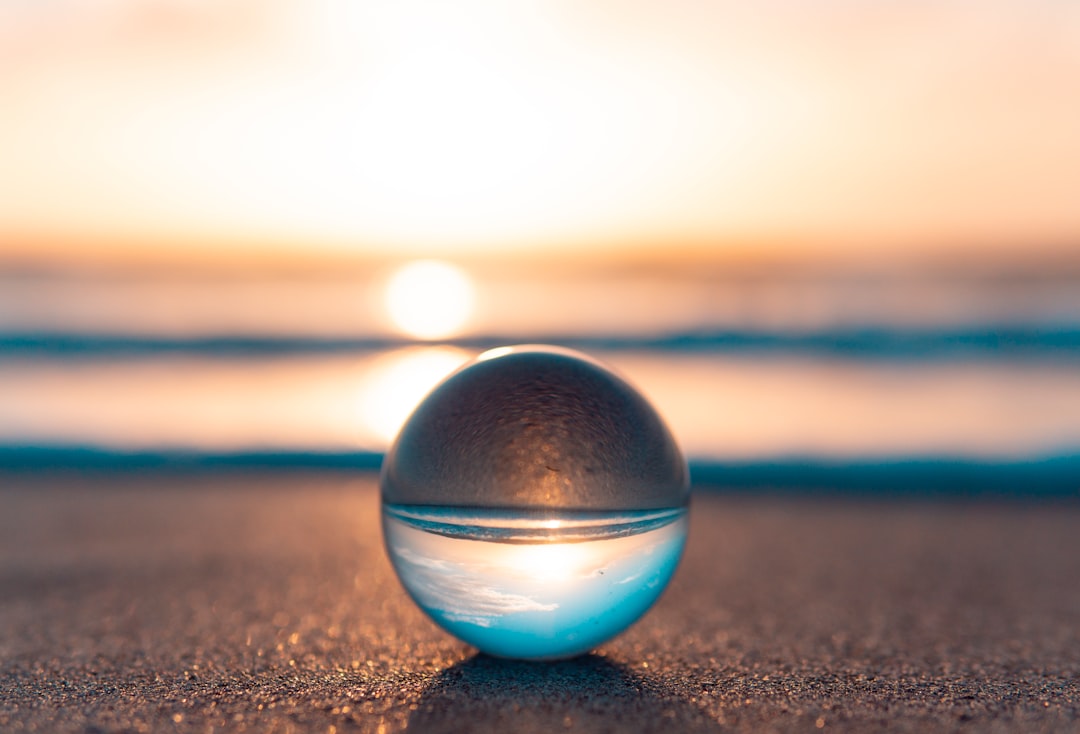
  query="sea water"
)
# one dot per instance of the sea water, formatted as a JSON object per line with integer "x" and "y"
{"x": 535, "y": 585}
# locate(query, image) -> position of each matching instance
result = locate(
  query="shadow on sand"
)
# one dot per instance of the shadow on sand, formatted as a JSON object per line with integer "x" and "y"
{"x": 588, "y": 693}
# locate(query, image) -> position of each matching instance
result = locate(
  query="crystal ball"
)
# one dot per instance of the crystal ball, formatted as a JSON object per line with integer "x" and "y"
{"x": 534, "y": 504}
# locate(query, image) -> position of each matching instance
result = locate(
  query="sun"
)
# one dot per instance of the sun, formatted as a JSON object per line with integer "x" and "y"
{"x": 429, "y": 299}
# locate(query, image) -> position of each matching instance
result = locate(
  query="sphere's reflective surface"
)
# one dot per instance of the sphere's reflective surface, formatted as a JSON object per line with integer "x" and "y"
{"x": 534, "y": 504}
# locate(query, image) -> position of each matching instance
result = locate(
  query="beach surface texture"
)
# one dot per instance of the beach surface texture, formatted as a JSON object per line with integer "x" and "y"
{"x": 201, "y": 601}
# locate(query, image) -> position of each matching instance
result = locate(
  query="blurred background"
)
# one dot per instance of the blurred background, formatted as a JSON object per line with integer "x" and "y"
{"x": 830, "y": 241}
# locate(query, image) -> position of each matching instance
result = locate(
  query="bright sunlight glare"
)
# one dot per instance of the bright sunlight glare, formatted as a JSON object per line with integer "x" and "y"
{"x": 551, "y": 563}
{"x": 397, "y": 382}
{"x": 429, "y": 299}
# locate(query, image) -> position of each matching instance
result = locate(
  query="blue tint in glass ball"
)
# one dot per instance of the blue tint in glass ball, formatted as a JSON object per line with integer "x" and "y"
{"x": 534, "y": 505}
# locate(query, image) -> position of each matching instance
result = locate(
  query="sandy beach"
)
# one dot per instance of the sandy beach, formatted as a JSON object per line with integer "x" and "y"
{"x": 238, "y": 601}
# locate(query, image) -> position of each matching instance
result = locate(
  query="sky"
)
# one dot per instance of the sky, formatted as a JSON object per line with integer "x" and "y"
{"x": 200, "y": 131}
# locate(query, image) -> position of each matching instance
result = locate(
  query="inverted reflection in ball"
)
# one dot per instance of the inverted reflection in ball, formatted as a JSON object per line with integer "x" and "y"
{"x": 534, "y": 504}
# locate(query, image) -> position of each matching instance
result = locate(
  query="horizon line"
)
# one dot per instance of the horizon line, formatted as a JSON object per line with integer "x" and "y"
{"x": 734, "y": 256}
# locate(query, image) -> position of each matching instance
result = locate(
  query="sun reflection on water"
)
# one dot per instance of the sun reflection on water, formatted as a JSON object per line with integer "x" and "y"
{"x": 397, "y": 381}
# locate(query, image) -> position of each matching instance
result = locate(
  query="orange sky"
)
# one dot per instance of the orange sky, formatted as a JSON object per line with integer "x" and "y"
{"x": 193, "y": 129}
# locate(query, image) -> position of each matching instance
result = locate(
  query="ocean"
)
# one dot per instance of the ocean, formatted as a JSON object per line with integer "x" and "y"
{"x": 875, "y": 383}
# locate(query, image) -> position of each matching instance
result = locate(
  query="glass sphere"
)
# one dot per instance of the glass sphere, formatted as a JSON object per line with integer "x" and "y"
{"x": 534, "y": 504}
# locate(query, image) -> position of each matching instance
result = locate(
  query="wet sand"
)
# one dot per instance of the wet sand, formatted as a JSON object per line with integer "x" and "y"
{"x": 264, "y": 602}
